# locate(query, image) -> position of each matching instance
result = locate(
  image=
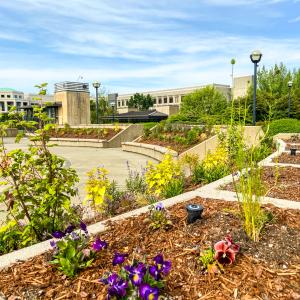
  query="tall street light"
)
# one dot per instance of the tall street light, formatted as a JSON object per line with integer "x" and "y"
{"x": 290, "y": 84}
{"x": 255, "y": 57}
{"x": 96, "y": 85}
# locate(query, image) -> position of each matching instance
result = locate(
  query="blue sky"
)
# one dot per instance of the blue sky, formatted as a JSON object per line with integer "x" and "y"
{"x": 132, "y": 45}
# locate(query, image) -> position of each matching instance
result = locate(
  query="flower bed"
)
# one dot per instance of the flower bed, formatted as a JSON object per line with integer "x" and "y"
{"x": 85, "y": 133}
{"x": 177, "y": 137}
{"x": 268, "y": 269}
{"x": 280, "y": 182}
{"x": 287, "y": 158}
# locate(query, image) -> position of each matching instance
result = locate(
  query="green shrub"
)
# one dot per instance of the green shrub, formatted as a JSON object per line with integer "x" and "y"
{"x": 174, "y": 188}
{"x": 284, "y": 125}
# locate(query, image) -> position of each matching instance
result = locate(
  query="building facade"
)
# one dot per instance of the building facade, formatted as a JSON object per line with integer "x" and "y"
{"x": 10, "y": 97}
{"x": 168, "y": 101}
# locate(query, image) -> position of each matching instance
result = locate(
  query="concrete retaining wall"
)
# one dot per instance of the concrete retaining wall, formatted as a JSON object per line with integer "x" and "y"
{"x": 11, "y": 132}
{"x": 284, "y": 136}
{"x": 76, "y": 142}
{"x": 127, "y": 135}
{"x": 154, "y": 151}
{"x": 203, "y": 148}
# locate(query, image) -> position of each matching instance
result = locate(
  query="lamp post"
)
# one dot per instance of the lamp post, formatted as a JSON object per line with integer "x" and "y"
{"x": 96, "y": 85}
{"x": 290, "y": 84}
{"x": 255, "y": 57}
{"x": 113, "y": 113}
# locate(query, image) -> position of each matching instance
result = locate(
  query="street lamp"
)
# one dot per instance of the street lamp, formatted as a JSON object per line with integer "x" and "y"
{"x": 255, "y": 57}
{"x": 290, "y": 84}
{"x": 113, "y": 113}
{"x": 96, "y": 85}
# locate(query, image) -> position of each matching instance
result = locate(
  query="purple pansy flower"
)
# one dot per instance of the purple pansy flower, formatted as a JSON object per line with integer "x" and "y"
{"x": 147, "y": 292}
{"x": 58, "y": 234}
{"x": 119, "y": 258}
{"x": 159, "y": 206}
{"x": 163, "y": 266}
{"x": 69, "y": 229}
{"x": 99, "y": 245}
{"x": 116, "y": 286}
{"x": 75, "y": 236}
{"x": 136, "y": 273}
{"x": 53, "y": 244}
{"x": 83, "y": 227}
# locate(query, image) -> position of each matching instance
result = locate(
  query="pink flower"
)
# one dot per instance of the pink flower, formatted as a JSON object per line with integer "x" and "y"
{"x": 226, "y": 251}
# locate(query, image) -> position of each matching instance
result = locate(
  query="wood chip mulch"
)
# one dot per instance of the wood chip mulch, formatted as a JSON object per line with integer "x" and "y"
{"x": 287, "y": 158}
{"x": 268, "y": 269}
{"x": 286, "y": 187}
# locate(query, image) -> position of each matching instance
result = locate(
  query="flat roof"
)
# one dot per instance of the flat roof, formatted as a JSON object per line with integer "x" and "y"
{"x": 177, "y": 89}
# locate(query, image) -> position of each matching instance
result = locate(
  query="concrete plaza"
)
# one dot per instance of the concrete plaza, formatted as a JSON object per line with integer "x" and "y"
{"x": 83, "y": 159}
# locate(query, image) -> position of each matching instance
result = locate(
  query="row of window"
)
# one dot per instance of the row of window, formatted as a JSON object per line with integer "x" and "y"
{"x": 158, "y": 100}
{"x": 10, "y": 104}
{"x": 9, "y": 96}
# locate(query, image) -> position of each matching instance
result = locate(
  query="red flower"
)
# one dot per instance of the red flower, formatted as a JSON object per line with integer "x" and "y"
{"x": 226, "y": 251}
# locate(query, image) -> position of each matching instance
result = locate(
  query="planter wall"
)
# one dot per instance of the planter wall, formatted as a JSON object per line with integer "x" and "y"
{"x": 11, "y": 132}
{"x": 153, "y": 151}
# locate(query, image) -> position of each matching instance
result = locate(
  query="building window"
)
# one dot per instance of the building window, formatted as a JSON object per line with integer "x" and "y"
{"x": 25, "y": 103}
{"x": 159, "y": 100}
{"x": 2, "y": 106}
{"x": 119, "y": 104}
{"x": 2, "y": 96}
{"x": 18, "y": 104}
{"x": 165, "y": 99}
{"x": 16, "y": 96}
{"x": 122, "y": 102}
{"x": 9, "y": 105}
{"x": 171, "y": 99}
{"x": 154, "y": 100}
{"x": 8, "y": 96}
{"x": 20, "y": 97}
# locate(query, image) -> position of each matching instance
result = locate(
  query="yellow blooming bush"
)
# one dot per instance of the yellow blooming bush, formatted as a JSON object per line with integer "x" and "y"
{"x": 160, "y": 177}
{"x": 213, "y": 167}
{"x": 215, "y": 159}
{"x": 97, "y": 188}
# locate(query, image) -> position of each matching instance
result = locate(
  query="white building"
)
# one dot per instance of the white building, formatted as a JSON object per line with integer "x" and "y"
{"x": 10, "y": 97}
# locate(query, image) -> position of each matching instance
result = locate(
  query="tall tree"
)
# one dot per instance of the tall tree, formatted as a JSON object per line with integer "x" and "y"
{"x": 140, "y": 101}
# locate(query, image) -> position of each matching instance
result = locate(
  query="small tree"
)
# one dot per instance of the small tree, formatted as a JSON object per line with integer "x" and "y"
{"x": 204, "y": 105}
{"x": 38, "y": 188}
{"x": 140, "y": 101}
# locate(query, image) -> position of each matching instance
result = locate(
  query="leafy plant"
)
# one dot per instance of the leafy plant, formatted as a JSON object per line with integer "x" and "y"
{"x": 38, "y": 188}
{"x": 97, "y": 188}
{"x": 138, "y": 280}
{"x": 135, "y": 183}
{"x": 213, "y": 167}
{"x": 72, "y": 250}
{"x": 174, "y": 188}
{"x": 159, "y": 176}
{"x": 159, "y": 217}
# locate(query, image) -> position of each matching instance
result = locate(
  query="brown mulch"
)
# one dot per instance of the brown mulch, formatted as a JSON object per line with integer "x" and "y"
{"x": 93, "y": 135}
{"x": 287, "y": 185}
{"x": 287, "y": 158}
{"x": 289, "y": 146}
{"x": 269, "y": 269}
{"x": 178, "y": 147}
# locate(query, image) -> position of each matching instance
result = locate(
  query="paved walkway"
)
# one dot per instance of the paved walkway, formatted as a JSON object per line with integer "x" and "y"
{"x": 84, "y": 159}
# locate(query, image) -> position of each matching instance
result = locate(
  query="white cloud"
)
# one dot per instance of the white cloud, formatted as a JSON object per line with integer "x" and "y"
{"x": 295, "y": 20}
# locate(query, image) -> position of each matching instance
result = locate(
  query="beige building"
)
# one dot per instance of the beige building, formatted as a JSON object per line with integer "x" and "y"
{"x": 10, "y": 97}
{"x": 168, "y": 101}
{"x": 241, "y": 86}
